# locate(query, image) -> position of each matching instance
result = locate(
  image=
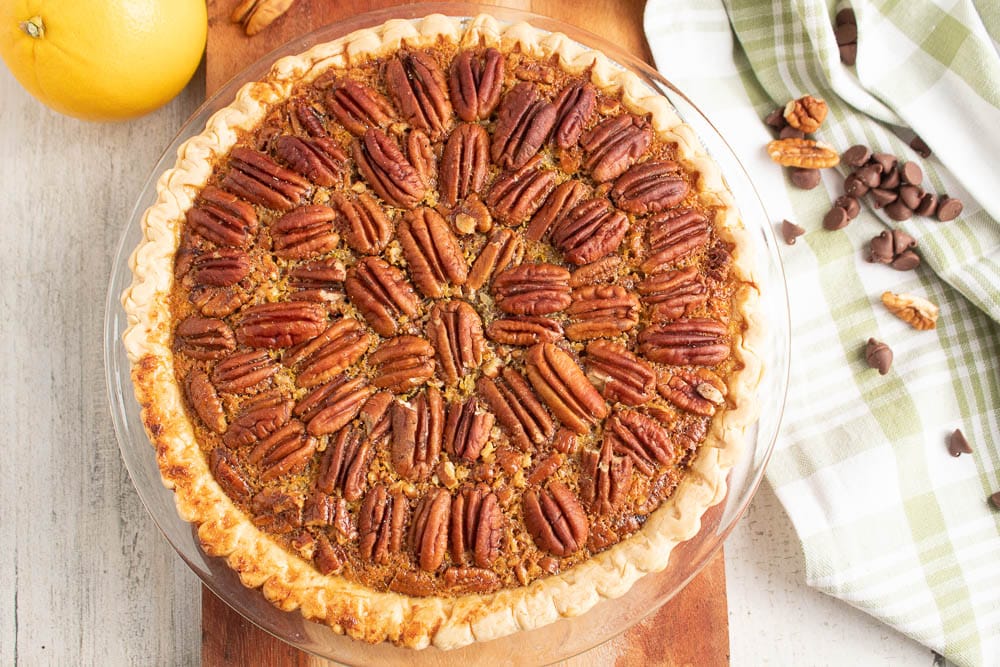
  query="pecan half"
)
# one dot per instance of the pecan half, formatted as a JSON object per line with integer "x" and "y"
{"x": 532, "y": 289}
{"x": 381, "y": 293}
{"x": 204, "y": 338}
{"x": 525, "y": 330}
{"x": 429, "y": 530}
{"x": 432, "y": 252}
{"x": 604, "y": 270}
{"x": 466, "y": 429}
{"x": 222, "y": 267}
{"x": 555, "y": 519}
{"x": 329, "y": 558}
{"x": 464, "y": 163}
{"x": 203, "y": 398}
{"x": 420, "y": 154}
{"x": 475, "y": 81}
{"x": 564, "y": 387}
{"x": 806, "y": 113}
{"x": 306, "y": 118}
{"x": 358, "y": 107}
{"x": 219, "y": 301}
{"x": 417, "y": 431}
{"x": 517, "y": 194}
{"x": 650, "y": 187}
{"x": 381, "y": 522}
{"x": 258, "y": 418}
{"x": 556, "y": 207}
{"x": 222, "y": 218}
{"x": 697, "y": 341}
{"x": 523, "y": 124}
{"x": 517, "y": 407}
{"x": 331, "y": 406}
{"x": 345, "y": 462}
{"x": 803, "y": 153}
{"x": 505, "y": 248}
{"x": 699, "y": 391}
{"x": 228, "y": 474}
{"x": 476, "y": 526}
{"x": 243, "y": 370}
{"x": 367, "y": 230}
{"x": 601, "y": 311}
{"x": 673, "y": 235}
{"x": 574, "y": 107}
{"x": 319, "y": 159}
{"x": 387, "y": 171}
{"x": 280, "y": 324}
{"x": 305, "y": 232}
{"x": 275, "y": 511}
{"x": 672, "y": 293}
{"x": 260, "y": 180}
{"x": 286, "y": 451}
{"x": 470, "y": 580}
{"x": 641, "y": 438}
{"x": 417, "y": 86}
{"x": 589, "y": 231}
{"x": 320, "y": 281}
{"x": 456, "y": 332}
{"x": 375, "y": 416}
{"x": 320, "y": 509}
{"x": 332, "y": 352}
{"x": 606, "y": 478}
{"x": 613, "y": 145}
{"x": 402, "y": 363}
{"x": 618, "y": 374}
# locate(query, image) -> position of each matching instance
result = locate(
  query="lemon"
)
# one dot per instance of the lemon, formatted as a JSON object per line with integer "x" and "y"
{"x": 103, "y": 59}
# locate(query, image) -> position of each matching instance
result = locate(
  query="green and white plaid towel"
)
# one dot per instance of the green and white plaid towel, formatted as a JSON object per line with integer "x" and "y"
{"x": 889, "y": 521}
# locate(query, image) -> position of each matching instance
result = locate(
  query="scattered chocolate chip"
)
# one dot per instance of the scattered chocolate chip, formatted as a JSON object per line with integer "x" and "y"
{"x": 790, "y": 132}
{"x": 921, "y": 147}
{"x": 890, "y": 181}
{"x": 910, "y": 195}
{"x": 849, "y": 54}
{"x": 806, "y": 179}
{"x": 878, "y": 356}
{"x": 948, "y": 208}
{"x": 837, "y": 218}
{"x": 849, "y": 204}
{"x": 856, "y": 156}
{"x": 906, "y": 261}
{"x": 776, "y": 119}
{"x": 846, "y": 33}
{"x": 995, "y": 499}
{"x": 870, "y": 175}
{"x": 790, "y": 231}
{"x": 912, "y": 173}
{"x": 893, "y": 247}
{"x": 886, "y": 160}
{"x": 957, "y": 444}
{"x": 880, "y": 249}
{"x": 902, "y": 241}
{"x": 928, "y": 203}
{"x": 854, "y": 186}
{"x": 845, "y": 16}
{"x": 899, "y": 211}
{"x": 883, "y": 196}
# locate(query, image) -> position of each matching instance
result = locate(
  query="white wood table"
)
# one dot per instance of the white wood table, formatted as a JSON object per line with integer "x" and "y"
{"x": 85, "y": 577}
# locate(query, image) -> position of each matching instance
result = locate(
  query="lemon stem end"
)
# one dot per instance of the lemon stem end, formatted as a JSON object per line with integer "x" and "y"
{"x": 33, "y": 27}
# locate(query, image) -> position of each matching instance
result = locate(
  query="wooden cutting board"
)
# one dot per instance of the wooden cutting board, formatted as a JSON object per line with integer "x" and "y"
{"x": 691, "y": 629}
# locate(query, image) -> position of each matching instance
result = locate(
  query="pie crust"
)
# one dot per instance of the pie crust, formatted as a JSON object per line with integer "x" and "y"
{"x": 291, "y": 582}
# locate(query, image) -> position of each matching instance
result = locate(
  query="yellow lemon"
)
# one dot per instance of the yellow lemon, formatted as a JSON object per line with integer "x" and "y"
{"x": 103, "y": 59}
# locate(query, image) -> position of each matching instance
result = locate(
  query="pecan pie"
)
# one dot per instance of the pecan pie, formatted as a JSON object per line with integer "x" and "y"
{"x": 444, "y": 330}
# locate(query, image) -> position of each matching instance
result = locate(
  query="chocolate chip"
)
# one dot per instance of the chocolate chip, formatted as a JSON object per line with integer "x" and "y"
{"x": 899, "y": 211}
{"x": 948, "y": 208}
{"x": 928, "y": 203}
{"x": 856, "y": 156}
{"x": 837, "y": 218}
{"x": 995, "y": 499}
{"x": 883, "y": 196}
{"x": 806, "y": 179}
{"x": 887, "y": 161}
{"x": 912, "y": 173}
{"x": 849, "y": 204}
{"x": 957, "y": 444}
{"x": 890, "y": 181}
{"x": 870, "y": 175}
{"x": 910, "y": 195}
{"x": 846, "y": 33}
{"x": 906, "y": 261}
{"x": 790, "y": 132}
{"x": 880, "y": 249}
{"x": 849, "y": 54}
{"x": 776, "y": 119}
{"x": 878, "y": 356}
{"x": 854, "y": 186}
{"x": 902, "y": 241}
{"x": 844, "y": 16}
{"x": 893, "y": 248}
{"x": 921, "y": 147}
{"x": 790, "y": 231}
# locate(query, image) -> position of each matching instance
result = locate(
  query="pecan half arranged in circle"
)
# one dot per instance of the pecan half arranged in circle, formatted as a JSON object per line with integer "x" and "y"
{"x": 523, "y": 124}
{"x": 429, "y": 529}
{"x": 555, "y": 519}
{"x": 243, "y": 370}
{"x": 286, "y": 451}
{"x": 618, "y": 374}
{"x": 532, "y": 289}
{"x": 606, "y": 478}
{"x": 517, "y": 408}
{"x": 381, "y": 293}
{"x": 345, "y": 462}
{"x": 418, "y": 87}
{"x": 320, "y": 281}
{"x": 466, "y": 429}
{"x": 604, "y": 270}
{"x": 222, "y": 218}
{"x": 698, "y": 341}
{"x": 304, "y": 232}
{"x": 525, "y": 331}
{"x": 222, "y": 267}
{"x": 331, "y": 406}
{"x": 329, "y": 354}
{"x": 505, "y": 248}
{"x": 381, "y": 522}
{"x": 219, "y": 301}
{"x": 203, "y": 398}
{"x": 641, "y": 438}
{"x": 432, "y": 252}
{"x": 672, "y": 293}
{"x": 417, "y": 432}
{"x": 204, "y": 338}
{"x": 475, "y": 80}
{"x": 228, "y": 474}
{"x": 358, "y": 107}
{"x": 556, "y": 207}
{"x": 456, "y": 332}
{"x": 476, "y": 526}
{"x": 402, "y": 363}
{"x": 319, "y": 159}
{"x": 575, "y": 105}
{"x": 650, "y": 187}
{"x": 464, "y": 163}
{"x": 700, "y": 391}
{"x": 280, "y": 324}
{"x": 260, "y": 180}
{"x": 673, "y": 235}
{"x": 516, "y": 195}
{"x": 305, "y": 118}
{"x": 367, "y": 229}
{"x": 614, "y": 145}
{"x": 564, "y": 387}
{"x": 387, "y": 171}
{"x": 601, "y": 311}
{"x": 259, "y": 417}
{"x": 589, "y": 231}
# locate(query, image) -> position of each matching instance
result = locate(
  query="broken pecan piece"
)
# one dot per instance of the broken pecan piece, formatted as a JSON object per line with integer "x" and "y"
{"x": 345, "y": 462}
{"x": 320, "y": 281}
{"x": 475, "y": 81}
{"x": 329, "y": 558}
{"x": 516, "y": 195}
{"x": 699, "y": 391}
{"x": 387, "y": 171}
{"x": 641, "y": 438}
{"x": 417, "y": 432}
{"x": 219, "y": 301}
{"x": 243, "y": 370}
{"x": 402, "y": 363}
{"x": 806, "y": 113}
{"x": 358, "y": 107}
{"x": 319, "y": 159}
{"x": 466, "y": 429}
{"x": 381, "y": 293}
{"x": 606, "y": 478}
{"x": 260, "y": 180}
{"x": 574, "y": 107}
{"x": 525, "y": 331}
{"x": 429, "y": 530}
{"x": 673, "y": 235}
{"x": 456, "y": 332}
{"x": 916, "y": 311}
{"x": 613, "y": 145}
{"x": 532, "y": 289}
{"x": 420, "y": 154}
{"x": 380, "y": 524}
{"x": 222, "y": 267}
{"x": 280, "y": 324}
{"x": 204, "y": 338}
{"x": 276, "y": 511}
{"x": 284, "y": 452}
{"x": 589, "y": 231}
{"x": 604, "y": 270}
{"x": 331, "y": 406}
{"x": 329, "y": 354}
{"x": 618, "y": 374}
{"x": 650, "y": 187}
{"x": 464, "y": 163}
{"x": 564, "y": 387}
{"x": 517, "y": 407}
{"x": 367, "y": 230}
{"x": 697, "y": 341}
{"x": 417, "y": 86}
{"x": 203, "y": 398}
{"x": 222, "y": 218}
{"x": 228, "y": 474}
{"x": 505, "y": 248}
{"x": 555, "y": 519}
{"x": 672, "y": 293}
{"x": 476, "y": 526}
{"x": 601, "y": 311}
{"x": 305, "y": 232}
{"x": 557, "y": 206}
{"x": 523, "y": 124}
{"x": 432, "y": 252}
{"x": 258, "y": 418}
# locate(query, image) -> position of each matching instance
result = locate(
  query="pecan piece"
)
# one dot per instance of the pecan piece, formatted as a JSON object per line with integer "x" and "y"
{"x": 417, "y": 431}
{"x": 284, "y": 452}
{"x": 532, "y": 289}
{"x": 204, "y": 338}
{"x": 418, "y": 87}
{"x": 466, "y": 429}
{"x": 525, "y": 331}
{"x": 329, "y": 558}
{"x": 431, "y": 251}
{"x": 358, "y": 107}
{"x": 803, "y": 153}
{"x": 319, "y": 509}
{"x": 618, "y": 374}
{"x": 574, "y": 107}
{"x": 606, "y": 478}
{"x": 227, "y": 473}
{"x": 387, "y": 171}
{"x": 429, "y": 530}
{"x": 613, "y": 145}
{"x": 555, "y": 519}
{"x": 517, "y": 407}
{"x": 564, "y": 387}
{"x": 696, "y": 341}
{"x": 345, "y": 462}
{"x": 305, "y": 232}
{"x": 319, "y": 159}
{"x": 275, "y": 511}
{"x": 221, "y": 268}
{"x": 280, "y": 324}
{"x": 402, "y": 363}
{"x": 258, "y": 418}
{"x": 305, "y": 118}
{"x": 470, "y": 580}
{"x": 589, "y": 231}
{"x": 464, "y": 163}
{"x": 641, "y": 438}
{"x": 523, "y": 124}
{"x": 368, "y": 230}
{"x": 204, "y": 399}
{"x": 476, "y": 526}
{"x": 243, "y": 370}
{"x": 380, "y": 524}
{"x": 806, "y": 113}
{"x": 672, "y": 293}
{"x": 332, "y": 352}
{"x": 219, "y": 301}
{"x": 556, "y": 207}
{"x": 504, "y": 249}
{"x": 475, "y": 81}
{"x": 604, "y": 270}
{"x": 601, "y": 311}
{"x": 381, "y": 293}
{"x": 916, "y": 311}
{"x": 222, "y": 218}
{"x": 375, "y": 416}
{"x": 260, "y": 180}
{"x": 650, "y": 187}
{"x": 516, "y": 195}
{"x": 331, "y": 406}
{"x": 471, "y": 215}
{"x": 674, "y": 235}
{"x": 699, "y": 391}
{"x": 456, "y": 332}
{"x": 320, "y": 281}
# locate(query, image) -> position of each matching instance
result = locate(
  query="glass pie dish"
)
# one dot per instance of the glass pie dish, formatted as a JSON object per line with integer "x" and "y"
{"x": 554, "y": 641}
